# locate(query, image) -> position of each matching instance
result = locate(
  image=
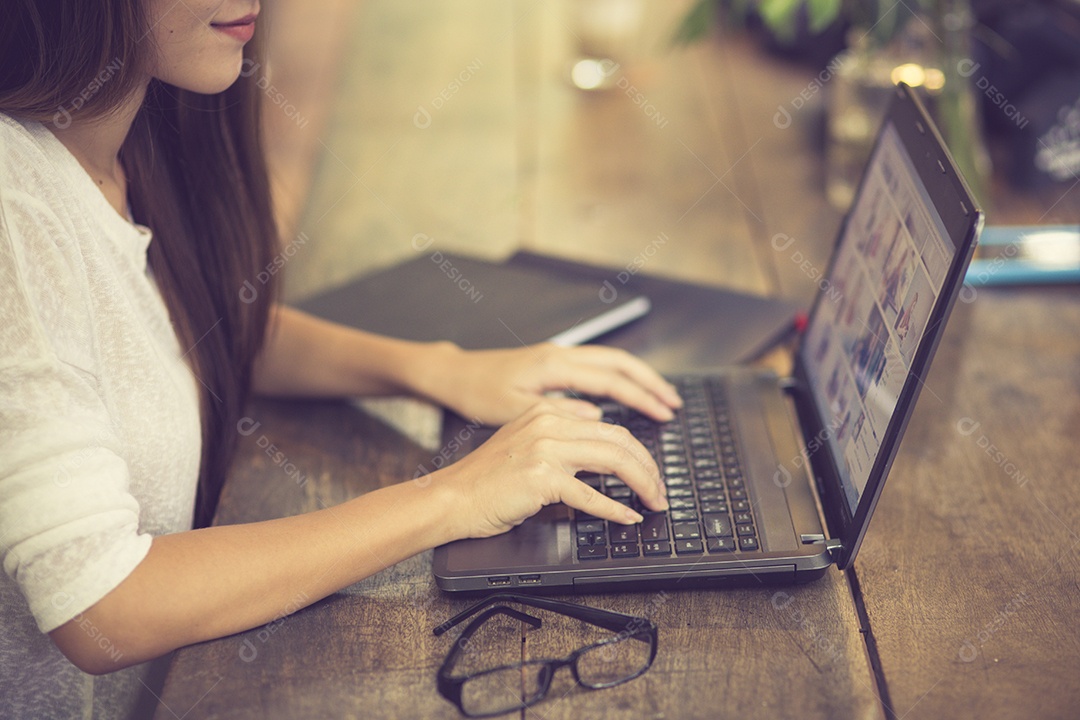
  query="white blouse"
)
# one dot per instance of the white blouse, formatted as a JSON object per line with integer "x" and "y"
{"x": 99, "y": 422}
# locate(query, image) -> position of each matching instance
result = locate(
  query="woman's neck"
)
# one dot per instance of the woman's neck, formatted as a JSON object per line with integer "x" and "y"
{"x": 96, "y": 145}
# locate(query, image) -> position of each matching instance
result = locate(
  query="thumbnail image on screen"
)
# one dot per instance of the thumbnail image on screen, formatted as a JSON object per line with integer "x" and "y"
{"x": 886, "y": 276}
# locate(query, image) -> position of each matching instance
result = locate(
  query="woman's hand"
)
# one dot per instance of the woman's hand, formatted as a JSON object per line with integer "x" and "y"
{"x": 531, "y": 462}
{"x": 495, "y": 386}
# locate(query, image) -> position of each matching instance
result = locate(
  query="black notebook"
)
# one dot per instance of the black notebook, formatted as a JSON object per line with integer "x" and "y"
{"x": 477, "y": 304}
{"x": 691, "y": 328}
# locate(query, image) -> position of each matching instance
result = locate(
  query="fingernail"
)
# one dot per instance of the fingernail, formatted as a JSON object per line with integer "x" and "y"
{"x": 588, "y": 411}
{"x": 633, "y": 516}
{"x": 674, "y": 395}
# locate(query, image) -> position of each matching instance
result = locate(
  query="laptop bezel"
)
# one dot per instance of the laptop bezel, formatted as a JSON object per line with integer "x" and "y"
{"x": 962, "y": 220}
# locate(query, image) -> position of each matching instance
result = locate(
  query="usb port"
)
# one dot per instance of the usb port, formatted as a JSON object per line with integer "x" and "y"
{"x": 528, "y": 579}
{"x": 499, "y": 580}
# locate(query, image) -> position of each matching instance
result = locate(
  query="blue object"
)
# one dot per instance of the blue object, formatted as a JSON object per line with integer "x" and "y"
{"x": 1026, "y": 255}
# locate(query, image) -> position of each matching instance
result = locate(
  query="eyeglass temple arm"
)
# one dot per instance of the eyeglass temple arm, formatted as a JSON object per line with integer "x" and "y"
{"x": 607, "y": 619}
{"x": 459, "y": 645}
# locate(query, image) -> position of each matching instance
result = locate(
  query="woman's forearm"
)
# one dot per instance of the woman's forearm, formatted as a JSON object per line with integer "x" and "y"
{"x": 203, "y": 584}
{"x": 310, "y": 357}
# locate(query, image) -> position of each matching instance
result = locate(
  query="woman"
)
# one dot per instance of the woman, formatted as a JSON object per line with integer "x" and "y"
{"x": 134, "y": 207}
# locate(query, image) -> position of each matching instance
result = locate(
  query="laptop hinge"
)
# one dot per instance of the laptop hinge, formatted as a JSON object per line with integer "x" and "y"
{"x": 791, "y": 385}
{"x": 835, "y": 547}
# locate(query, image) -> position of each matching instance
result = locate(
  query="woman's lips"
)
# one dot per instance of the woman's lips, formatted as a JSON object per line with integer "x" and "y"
{"x": 242, "y": 29}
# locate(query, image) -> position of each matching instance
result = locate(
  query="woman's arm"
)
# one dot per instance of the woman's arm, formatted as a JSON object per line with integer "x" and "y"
{"x": 208, "y": 583}
{"x": 308, "y": 356}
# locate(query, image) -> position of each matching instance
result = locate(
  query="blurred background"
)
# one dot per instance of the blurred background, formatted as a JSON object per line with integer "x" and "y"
{"x": 598, "y": 129}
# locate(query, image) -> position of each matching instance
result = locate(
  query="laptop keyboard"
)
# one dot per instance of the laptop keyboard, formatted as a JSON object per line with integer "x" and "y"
{"x": 699, "y": 461}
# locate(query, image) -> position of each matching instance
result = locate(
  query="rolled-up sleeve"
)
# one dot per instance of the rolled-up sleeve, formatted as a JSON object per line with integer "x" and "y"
{"x": 69, "y": 527}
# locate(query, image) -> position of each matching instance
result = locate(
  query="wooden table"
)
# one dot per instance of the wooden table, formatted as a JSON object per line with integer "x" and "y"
{"x": 963, "y": 600}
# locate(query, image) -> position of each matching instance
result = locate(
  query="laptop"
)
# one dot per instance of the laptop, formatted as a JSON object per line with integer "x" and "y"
{"x": 774, "y": 479}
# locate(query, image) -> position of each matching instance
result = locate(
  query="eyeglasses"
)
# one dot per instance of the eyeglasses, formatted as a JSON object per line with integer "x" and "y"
{"x": 487, "y": 693}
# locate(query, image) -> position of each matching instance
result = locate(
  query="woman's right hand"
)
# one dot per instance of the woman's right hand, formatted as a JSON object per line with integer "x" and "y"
{"x": 531, "y": 462}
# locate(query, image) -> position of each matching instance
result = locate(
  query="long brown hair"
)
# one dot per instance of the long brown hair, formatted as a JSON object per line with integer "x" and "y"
{"x": 196, "y": 177}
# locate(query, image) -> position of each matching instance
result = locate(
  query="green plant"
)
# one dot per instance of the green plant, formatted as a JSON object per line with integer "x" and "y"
{"x": 882, "y": 19}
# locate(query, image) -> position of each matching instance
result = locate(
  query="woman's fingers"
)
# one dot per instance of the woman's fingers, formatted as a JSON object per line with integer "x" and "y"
{"x": 582, "y": 445}
{"x": 635, "y": 369}
{"x": 581, "y": 409}
{"x": 532, "y": 461}
{"x": 581, "y": 497}
{"x": 609, "y": 372}
{"x": 602, "y": 382}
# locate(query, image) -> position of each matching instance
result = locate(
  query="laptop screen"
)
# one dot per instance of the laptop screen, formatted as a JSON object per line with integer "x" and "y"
{"x": 888, "y": 271}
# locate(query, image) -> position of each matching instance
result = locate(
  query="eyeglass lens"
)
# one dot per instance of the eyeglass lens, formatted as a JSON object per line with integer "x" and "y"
{"x": 508, "y": 688}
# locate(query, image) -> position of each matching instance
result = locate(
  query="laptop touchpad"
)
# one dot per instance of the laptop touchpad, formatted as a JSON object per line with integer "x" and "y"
{"x": 543, "y": 539}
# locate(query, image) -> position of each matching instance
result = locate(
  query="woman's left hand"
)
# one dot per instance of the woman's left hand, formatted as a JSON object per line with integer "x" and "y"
{"x": 496, "y": 386}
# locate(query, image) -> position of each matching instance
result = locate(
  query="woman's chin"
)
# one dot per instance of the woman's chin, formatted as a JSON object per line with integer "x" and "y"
{"x": 210, "y": 82}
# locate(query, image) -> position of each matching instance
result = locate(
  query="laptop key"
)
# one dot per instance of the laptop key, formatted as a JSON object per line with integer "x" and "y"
{"x": 717, "y": 525}
{"x": 745, "y": 530}
{"x": 682, "y": 503}
{"x": 683, "y": 515}
{"x": 689, "y": 547}
{"x": 748, "y": 543}
{"x": 740, "y": 505}
{"x": 623, "y": 534}
{"x": 591, "y": 539}
{"x": 618, "y": 492}
{"x": 656, "y": 547}
{"x": 590, "y": 479}
{"x": 713, "y": 506}
{"x": 738, "y": 494}
{"x": 720, "y": 544}
{"x": 743, "y": 517}
{"x": 654, "y": 527}
{"x": 590, "y": 526}
{"x": 624, "y": 550}
{"x": 685, "y": 530}
{"x": 592, "y": 552}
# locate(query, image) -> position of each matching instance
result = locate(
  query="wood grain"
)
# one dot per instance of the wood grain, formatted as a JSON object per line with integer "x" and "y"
{"x": 969, "y": 570}
{"x": 968, "y": 573}
{"x": 368, "y": 651}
